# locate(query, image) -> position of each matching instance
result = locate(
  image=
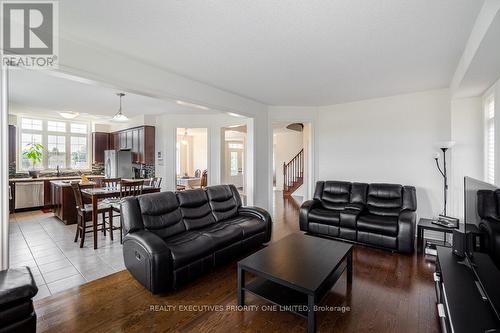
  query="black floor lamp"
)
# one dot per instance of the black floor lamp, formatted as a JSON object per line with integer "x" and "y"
{"x": 444, "y": 146}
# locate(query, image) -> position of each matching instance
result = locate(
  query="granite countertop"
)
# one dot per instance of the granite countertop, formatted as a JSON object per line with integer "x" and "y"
{"x": 39, "y": 179}
{"x": 62, "y": 183}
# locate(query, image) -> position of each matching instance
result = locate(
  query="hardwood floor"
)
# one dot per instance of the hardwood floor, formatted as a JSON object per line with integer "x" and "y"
{"x": 390, "y": 293}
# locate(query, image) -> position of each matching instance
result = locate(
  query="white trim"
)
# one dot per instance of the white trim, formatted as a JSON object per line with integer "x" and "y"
{"x": 4, "y": 168}
{"x": 45, "y": 133}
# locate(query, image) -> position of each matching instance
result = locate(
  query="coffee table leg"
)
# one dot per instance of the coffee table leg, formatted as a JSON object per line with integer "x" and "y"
{"x": 349, "y": 267}
{"x": 241, "y": 284}
{"x": 311, "y": 315}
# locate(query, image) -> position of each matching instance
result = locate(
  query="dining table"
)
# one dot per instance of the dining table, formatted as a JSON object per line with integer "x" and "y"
{"x": 95, "y": 194}
{"x": 189, "y": 182}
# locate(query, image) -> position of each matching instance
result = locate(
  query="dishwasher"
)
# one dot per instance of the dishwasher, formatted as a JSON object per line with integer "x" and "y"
{"x": 29, "y": 194}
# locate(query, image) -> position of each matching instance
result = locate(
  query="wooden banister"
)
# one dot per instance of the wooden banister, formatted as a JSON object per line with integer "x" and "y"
{"x": 293, "y": 173}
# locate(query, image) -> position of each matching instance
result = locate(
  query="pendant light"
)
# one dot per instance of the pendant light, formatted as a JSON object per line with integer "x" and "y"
{"x": 119, "y": 116}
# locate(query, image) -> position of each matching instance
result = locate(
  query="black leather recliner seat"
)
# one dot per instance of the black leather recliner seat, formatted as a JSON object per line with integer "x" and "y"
{"x": 381, "y": 215}
{"x": 488, "y": 209}
{"x": 171, "y": 238}
{"x": 17, "y": 288}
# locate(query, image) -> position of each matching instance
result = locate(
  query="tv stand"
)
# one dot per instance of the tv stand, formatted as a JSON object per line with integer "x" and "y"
{"x": 462, "y": 304}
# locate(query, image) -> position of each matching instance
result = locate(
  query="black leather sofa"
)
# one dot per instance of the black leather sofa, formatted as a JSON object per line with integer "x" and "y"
{"x": 171, "y": 238}
{"x": 17, "y": 288}
{"x": 488, "y": 208}
{"x": 381, "y": 215}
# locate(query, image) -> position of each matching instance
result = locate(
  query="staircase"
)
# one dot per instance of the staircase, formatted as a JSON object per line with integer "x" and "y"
{"x": 293, "y": 174}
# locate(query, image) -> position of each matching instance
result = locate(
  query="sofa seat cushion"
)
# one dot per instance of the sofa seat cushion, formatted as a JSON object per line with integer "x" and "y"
{"x": 385, "y": 225}
{"x": 223, "y": 235}
{"x": 188, "y": 247}
{"x": 249, "y": 225}
{"x": 324, "y": 216}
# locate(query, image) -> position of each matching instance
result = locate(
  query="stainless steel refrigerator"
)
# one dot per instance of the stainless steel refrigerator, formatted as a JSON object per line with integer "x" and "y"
{"x": 118, "y": 164}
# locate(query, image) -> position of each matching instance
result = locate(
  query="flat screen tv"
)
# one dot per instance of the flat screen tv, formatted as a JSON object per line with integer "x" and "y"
{"x": 486, "y": 272}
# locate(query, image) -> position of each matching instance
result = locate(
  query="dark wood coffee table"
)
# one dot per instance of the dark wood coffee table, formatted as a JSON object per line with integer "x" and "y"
{"x": 296, "y": 273}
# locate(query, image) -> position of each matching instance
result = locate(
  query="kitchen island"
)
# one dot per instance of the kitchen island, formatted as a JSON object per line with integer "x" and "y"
{"x": 29, "y": 186}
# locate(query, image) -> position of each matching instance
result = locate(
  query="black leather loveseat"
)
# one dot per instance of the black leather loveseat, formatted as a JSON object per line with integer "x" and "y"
{"x": 488, "y": 209}
{"x": 171, "y": 238}
{"x": 381, "y": 215}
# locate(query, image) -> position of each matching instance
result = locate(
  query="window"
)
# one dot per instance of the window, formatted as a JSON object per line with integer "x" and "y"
{"x": 489, "y": 111}
{"x": 234, "y": 163}
{"x": 56, "y": 148}
{"x": 31, "y": 124}
{"x": 28, "y": 139}
{"x": 79, "y": 128}
{"x": 235, "y": 146}
{"x": 56, "y": 126}
{"x": 65, "y": 144}
{"x": 78, "y": 152}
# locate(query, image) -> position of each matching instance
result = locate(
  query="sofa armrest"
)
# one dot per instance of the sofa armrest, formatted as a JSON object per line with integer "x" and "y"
{"x": 148, "y": 259}
{"x": 261, "y": 214}
{"x": 406, "y": 231}
{"x": 305, "y": 208}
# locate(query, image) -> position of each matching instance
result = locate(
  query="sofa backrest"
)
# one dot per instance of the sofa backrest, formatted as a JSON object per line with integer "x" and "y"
{"x": 487, "y": 203}
{"x": 161, "y": 214}
{"x": 384, "y": 199}
{"x": 224, "y": 201}
{"x": 333, "y": 194}
{"x": 195, "y": 209}
{"x": 336, "y": 195}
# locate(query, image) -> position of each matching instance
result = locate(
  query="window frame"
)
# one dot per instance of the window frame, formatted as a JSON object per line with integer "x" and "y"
{"x": 45, "y": 134}
{"x": 489, "y": 138}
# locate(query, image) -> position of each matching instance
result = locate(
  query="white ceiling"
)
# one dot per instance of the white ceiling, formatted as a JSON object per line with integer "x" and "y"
{"x": 286, "y": 52}
{"x": 38, "y": 91}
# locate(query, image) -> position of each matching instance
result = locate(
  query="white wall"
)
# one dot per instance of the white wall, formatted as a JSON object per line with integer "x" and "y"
{"x": 467, "y": 158}
{"x": 389, "y": 140}
{"x": 200, "y": 150}
{"x": 287, "y": 144}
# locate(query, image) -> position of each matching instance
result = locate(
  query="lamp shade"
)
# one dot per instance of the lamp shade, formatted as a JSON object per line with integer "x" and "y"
{"x": 445, "y": 144}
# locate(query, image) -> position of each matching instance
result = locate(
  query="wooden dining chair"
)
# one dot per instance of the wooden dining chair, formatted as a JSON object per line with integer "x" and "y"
{"x": 111, "y": 182}
{"x": 84, "y": 214}
{"x": 204, "y": 179}
{"x": 155, "y": 182}
{"x": 128, "y": 188}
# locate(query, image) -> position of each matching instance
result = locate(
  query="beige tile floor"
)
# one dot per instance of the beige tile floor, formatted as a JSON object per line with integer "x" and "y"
{"x": 45, "y": 244}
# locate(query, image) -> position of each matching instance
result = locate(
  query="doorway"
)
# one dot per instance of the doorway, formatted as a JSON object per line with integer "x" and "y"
{"x": 233, "y": 157}
{"x": 191, "y": 158}
{"x": 292, "y": 159}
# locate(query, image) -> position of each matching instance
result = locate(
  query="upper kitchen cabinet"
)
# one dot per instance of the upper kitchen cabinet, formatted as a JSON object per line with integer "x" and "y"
{"x": 100, "y": 143}
{"x": 12, "y": 143}
{"x": 140, "y": 141}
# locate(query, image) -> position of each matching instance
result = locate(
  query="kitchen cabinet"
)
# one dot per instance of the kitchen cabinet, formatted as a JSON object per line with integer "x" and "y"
{"x": 113, "y": 141}
{"x": 63, "y": 201}
{"x": 100, "y": 143}
{"x": 140, "y": 141}
{"x": 12, "y": 144}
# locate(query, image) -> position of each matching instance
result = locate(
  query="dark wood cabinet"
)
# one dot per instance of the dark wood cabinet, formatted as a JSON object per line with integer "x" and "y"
{"x": 100, "y": 143}
{"x": 12, "y": 143}
{"x": 140, "y": 141}
{"x": 114, "y": 143}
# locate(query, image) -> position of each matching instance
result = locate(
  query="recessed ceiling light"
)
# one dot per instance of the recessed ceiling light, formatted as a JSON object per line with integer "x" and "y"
{"x": 232, "y": 114}
{"x": 192, "y": 105}
{"x": 69, "y": 114}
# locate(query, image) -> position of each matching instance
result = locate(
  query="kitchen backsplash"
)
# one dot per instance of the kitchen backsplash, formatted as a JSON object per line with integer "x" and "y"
{"x": 150, "y": 169}
{"x": 97, "y": 169}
